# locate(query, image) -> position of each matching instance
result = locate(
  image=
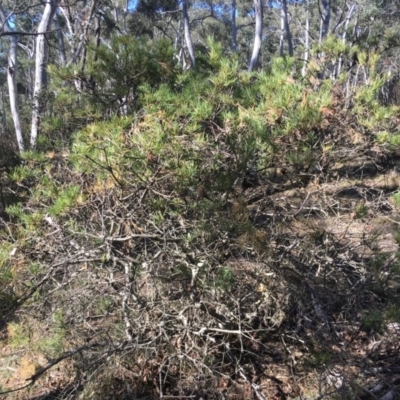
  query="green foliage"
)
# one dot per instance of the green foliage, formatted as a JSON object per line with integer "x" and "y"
{"x": 128, "y": 62}
{"x": 392, "y": 37}
{"x": 318, "y": 359}
{"x": 332, "y": 47}
{"x": 31, "y": 221}
{"x": 392, "y": 139}
{"x": 251, "y": 111}
{"x": 35, "y": 268}
{"x": 373, "y": 321}
{"x": 110, "y": 83}
{"x": 53, "y": 343}
{"x": 7, "y": 297}
{"x": 65, "y": 199}
{"x": 392, "y": 313}
{"x": 18, "y": 334}
{"x": 395, "y": 266}
{"x": 162, "y": 179}
{"x": 103, "y": 305}
{"x": 374, "y": 116}
{"x": 224, "y": 279}
{"x": 5, "y": 249}
{"x": 361, "y": 210}
{"x": 396, "y": 199}
{"x": 22, "y": 173}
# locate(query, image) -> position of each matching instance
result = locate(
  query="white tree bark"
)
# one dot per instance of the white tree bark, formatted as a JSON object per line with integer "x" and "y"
{"x": 78, "y": 25}
{"x": 12, "y": 70}
{"x": 286, "y": 27}
{"x": 41, "y": 59}
{"x": 177, "y": 44}
{"x": 234, "y": 27}
{"x": 12, "y": 89}
{"x": 306, "y": 40}
{"x": 255, "y": 57}
{"x": 282, "y": 35}
{"x": 346, "y": 27}
{"x": 188, "y": 38}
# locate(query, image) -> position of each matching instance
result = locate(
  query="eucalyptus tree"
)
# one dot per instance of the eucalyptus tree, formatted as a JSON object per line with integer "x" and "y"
{"x": 285, "y": 29}
{"x": 351, "y": 9}
{"x": 306, "y": 38}
{"x": 188, "y": 37}
{"x": 77, "y": 22}
{"x": 41, "y": 60}
{"x": 233, "y": 25}
{"x": 325, "y": 13}
{"x": 60, "y": 41}
{"x": 12, "y": 71}
{"x": 258, "y": 15}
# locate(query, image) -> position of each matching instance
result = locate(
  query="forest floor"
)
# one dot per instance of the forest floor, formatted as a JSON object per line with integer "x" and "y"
{"x": 335, "y": 250}
{"x": 351, "y": 208}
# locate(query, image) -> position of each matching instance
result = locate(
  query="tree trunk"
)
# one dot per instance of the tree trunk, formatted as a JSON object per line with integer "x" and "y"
{"x": 282, "y": 36}
{"x": 12, "y": 88}
{"x": 234, "y": 27}
{"x": 41, "y": 59}
{"x": 12, "y": 71}
{"x": 3, "y": 110}
{"x": 188, "y": 38}
{"x": 255, "y": 57}
{"x": 126, "y": 11}
{"x": 346, "y": 27}
{"x": 60, "y": 39}
{"x": 97, "y": 34}
{"x": 287, "y": 28}
{"x": 325, "y": 19}
{"x": 85, "y": 40}
{"x": 306, "y": 40}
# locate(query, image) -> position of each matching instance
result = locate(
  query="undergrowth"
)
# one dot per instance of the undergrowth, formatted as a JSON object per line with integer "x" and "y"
{"x": 167, "y": 244}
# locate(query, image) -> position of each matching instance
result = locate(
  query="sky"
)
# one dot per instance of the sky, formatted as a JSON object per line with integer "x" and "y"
{"x": 132, "y": 4}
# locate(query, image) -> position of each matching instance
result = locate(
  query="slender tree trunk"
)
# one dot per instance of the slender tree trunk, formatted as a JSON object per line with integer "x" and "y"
{"x": 97, "y": 34}
{"x": 325, "y": 15}
{"x": 325, "y": 19}
{"x": 60, "y": 39}
{"x": 116, "y": 16}
{"x": 3, "y": 109}
{"x": 85, "y": 40}
{"x": 67, "y": 16}
{"x": 306, "y": 40}
{"x": 188, "y": 38}
{"x": 282, "y": 35}
{"x": 255, "y": 57}
{"x": 78, "y": 39}
{"x": 13, "y": 92}
{"x": 126, "y": 10}
{"x": 41, "y": 59}
{"x": 30, "y": 81}
{"x": 287, "y": 28}
{"x": 346, "y": 27}
{"x": 234, "y": 27}
{"x": 285, "y": 31}
{"x": 177, "y": 43}
{"x": 12, "y": 70}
